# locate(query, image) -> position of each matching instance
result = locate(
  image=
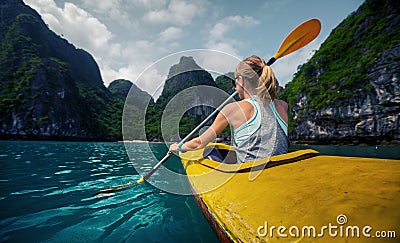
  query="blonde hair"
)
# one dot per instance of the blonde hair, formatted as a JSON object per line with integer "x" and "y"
{"x": 259, "y": 76}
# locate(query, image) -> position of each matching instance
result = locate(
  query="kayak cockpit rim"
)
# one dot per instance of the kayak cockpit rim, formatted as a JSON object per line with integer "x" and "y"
{"x": 222, "y": 157}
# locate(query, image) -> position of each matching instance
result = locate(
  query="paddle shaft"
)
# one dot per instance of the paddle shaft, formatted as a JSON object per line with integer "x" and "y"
{"x": 209, "y": 117}
{"x": 147, "y": 176}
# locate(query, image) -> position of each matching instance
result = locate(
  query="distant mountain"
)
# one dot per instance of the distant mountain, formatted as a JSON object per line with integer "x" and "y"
{"x": 348, "y": 92}
{"x": 121, "y": 88}
{"x": 183, "y": 75}
{"x": 224, "y": 82}
{"x": 181, "y": 78}
{"x": 134, "y": 103}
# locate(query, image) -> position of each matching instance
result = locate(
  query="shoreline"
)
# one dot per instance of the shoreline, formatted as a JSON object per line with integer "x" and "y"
{"x": 348, "y": 142}
{"x": 320, "y": 142}
{"x": 137, "y": 141}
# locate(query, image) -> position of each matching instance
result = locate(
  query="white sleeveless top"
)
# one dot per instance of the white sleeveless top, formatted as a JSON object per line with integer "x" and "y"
{"x": 248, "y": 128}
{"x": 261, "y": 136}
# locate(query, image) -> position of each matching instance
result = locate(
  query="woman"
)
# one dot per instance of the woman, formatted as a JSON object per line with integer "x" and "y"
{"x": 259, "y": 120}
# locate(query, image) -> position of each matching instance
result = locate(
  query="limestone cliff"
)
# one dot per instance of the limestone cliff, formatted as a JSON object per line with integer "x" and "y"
{"x": 181, "y": 78}
{"x": 349, "y": 91}
{"x": 48, "y": 88}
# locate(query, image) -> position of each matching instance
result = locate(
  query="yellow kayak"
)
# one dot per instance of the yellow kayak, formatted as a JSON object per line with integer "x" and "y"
{"x": 296, "y": 197}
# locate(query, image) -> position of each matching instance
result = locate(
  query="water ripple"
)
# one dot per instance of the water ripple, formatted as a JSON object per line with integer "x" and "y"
{"x": 63, "y": 172}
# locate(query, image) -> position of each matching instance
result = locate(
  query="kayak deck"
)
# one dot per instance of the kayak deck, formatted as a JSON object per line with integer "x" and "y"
{"x": 304, "y": 190}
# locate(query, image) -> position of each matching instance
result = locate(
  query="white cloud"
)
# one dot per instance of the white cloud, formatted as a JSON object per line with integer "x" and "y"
{"x": 102, "y": 5}
{"x": 89, "y": 32}
{"x": 224, "y": 46}
{"x": 219, "y": 35}
{"x": 151, "y": 3}
{"x": 176, "y": 13}
{"x": 74, "y": 23}
{"x": 112, "y": 9}
{"x": 247, "y": 21}
{"x": 147, "y": 78}
{"x": 218, "y": 62}
{"x": 151, "y": 81}
{"x": 109, "y": 73}
{"x": 221, "y": 28}
{"x": 46, "y": 4}
{"x": 51, "y": 20}
{"x": 171, "y": 33}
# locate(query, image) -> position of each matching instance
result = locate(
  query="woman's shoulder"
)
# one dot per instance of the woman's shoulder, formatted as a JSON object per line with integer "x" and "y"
{"x": 282, "y": 108}
{"x": 234, "y": 106}
{"x": 238, "y": 108}
{"x": 281, "y": 104}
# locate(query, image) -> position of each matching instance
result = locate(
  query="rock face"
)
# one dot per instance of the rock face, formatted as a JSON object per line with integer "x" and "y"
{"x": 183, "y": 75}
{"x": 49, "y": 89}
{"x": 349, "y": 91}
{"x": 172, "y": 122}
{"x": 368, "y": 117}
{"x": 120, "y": 88}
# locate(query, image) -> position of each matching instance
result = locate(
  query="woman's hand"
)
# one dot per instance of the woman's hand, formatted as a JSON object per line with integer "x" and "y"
{"x": 174, "y": 148}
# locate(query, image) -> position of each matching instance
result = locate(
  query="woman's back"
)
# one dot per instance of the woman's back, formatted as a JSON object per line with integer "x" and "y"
{"x": 242, "y": 111}
{"x": 257, "y": 133}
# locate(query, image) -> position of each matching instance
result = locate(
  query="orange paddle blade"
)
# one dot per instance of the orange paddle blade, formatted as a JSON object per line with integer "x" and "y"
{"x": 299, "y": 37}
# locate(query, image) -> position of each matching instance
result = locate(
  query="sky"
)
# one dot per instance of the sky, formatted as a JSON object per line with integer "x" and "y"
{"x": 139, "y": 40}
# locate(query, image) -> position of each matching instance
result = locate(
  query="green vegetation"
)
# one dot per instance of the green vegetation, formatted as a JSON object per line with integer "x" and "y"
{"x": 48, "y": 84}
{"x": 339, "y": 69}
{"x": 224, "y": 82}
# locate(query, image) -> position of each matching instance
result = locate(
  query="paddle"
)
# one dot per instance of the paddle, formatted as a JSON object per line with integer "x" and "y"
{"x": 298, "y": 38}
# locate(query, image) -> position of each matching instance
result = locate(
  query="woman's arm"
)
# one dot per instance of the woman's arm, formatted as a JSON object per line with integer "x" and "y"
{"x": 210, "y": 134}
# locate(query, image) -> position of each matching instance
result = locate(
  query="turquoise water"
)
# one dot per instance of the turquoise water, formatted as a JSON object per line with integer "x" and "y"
{"x": 46, "y": 193}
{"x": 383, "y": 152}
